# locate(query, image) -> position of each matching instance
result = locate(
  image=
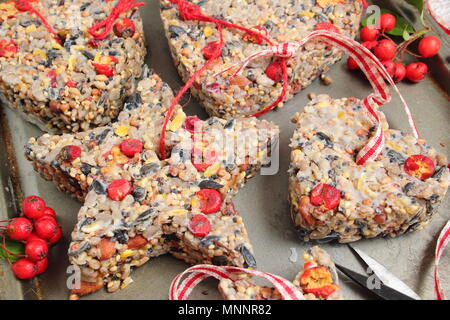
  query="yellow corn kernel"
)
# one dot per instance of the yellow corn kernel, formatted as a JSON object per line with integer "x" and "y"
{"x": 322, "y": 104}
{"x": 122, "y": 131}
{"x": 176, "y": 123}
{"x": 127, "y": 253}
{"x": 308, "y": 14}
{"x": 212, "y": 170}
{"x": 126, "y": 283}
{"x": 176, "y": 212}
{"x": 360, "y": 181}
{"x": 97, "y": 57}
{"x": 39, "y": 52}
{"x": 56, "y": 45}
{"x": 341, "y": 115}
{"x": 208, "y": 31}
{"x": 30, "y": 28}
{"x": 194, "y": 202}
{"x": 72, "y": 62}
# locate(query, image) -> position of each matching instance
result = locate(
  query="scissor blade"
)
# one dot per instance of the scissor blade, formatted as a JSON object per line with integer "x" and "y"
{"x": 382, "y": 290}
{"x": 385, "y": 275}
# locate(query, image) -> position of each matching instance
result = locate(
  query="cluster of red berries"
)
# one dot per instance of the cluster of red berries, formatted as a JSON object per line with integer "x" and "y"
{"x": 38, "y": 230}
{"x": 386, "y": 50}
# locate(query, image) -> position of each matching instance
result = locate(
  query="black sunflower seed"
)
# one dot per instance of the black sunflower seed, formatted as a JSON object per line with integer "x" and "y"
{"x": 176, "y": 31}
{"x": 326, "y": 139}
{"x": 149, "y": 168}
{"x": 99, "y": 186}
{"x": 139, "y": 193}
{"x": 210, "y": 184}
{"x": 83, "y": 247}
{"x": 249, "y": 259}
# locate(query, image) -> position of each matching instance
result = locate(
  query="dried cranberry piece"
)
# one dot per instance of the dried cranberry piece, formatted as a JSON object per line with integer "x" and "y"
{"x": 210, "y": 200}
{"x": 325, "y": 196}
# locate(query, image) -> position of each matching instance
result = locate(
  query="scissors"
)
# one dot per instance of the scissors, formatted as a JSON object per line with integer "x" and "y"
{"x": 379, "y": 280}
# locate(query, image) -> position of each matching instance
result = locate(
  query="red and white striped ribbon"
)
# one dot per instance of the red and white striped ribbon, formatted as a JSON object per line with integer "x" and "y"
{"x": 443, "y": 241}
{"x": 180, "y": 289}
{"x": 368, "y": 63}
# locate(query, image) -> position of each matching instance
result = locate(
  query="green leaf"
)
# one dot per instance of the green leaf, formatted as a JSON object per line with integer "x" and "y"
{"x": 401, "y": 27}
{"x": 406, "y": 35}
{"x": 14, "y": 247}
{"x": 418, "y": 4}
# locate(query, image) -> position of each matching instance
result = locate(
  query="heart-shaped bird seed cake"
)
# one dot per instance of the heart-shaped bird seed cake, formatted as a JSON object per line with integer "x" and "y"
{"x": 138, "y": 206}
{"x": 333, "y": 198}
{"x": 318, "y": 280}
{"x": 56, "y": 73}
{"x": 192, "y": 43}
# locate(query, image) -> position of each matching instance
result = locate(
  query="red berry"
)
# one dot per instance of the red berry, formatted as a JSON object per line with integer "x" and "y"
{"x": 104, "y": 69}
{"x": 53, "y": 240}
{"x": 328, "y": 26}
{"x": 119, "y": 189}
{"x": 19, "y": 229}
{"x": 7, "y": 49}
{"x": 325, "y": 196}
{"x": 41, "y": 266}
{"x": 191, "y": 122}
{"x": 213, "y": 87}
{"x": 199, "y": 226}
{"x": 124, "y": 28}
{"x": 45, "y": 228}
{"x": 351, "y": 64}
{"x": 53, "y": 81}
{"x": 212, "y": 50}
{"x": 36, "y": 250}
{"x": 210, "y": 200}
{"x": 71, "y": 84}
{"x": 385, "y": 49}
{"x": 369, "y": 33}
{"x": 400, "y": 72}
{"x": 130, "y": 147}
{"x": 201, "y": 160}
{"x": 419, "y": 166}
{"x": 69, "y": 153}
{"x": 416, "y": 71}
{"x": 50, "y": 212}
{"x": 387, "y": 22}
{"x": 370, "y": 45}
{"x": 429, "y": 46}
{"x": 389, "y": 65}
{"x": 275, "y": 71}
{"x": 34, "y": 236}
{"x": 24, "y": 269}
{"x": 33, "y": 207}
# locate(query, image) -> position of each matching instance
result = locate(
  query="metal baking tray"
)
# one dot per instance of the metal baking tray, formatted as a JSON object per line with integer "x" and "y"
{"x": 262, "y": 202}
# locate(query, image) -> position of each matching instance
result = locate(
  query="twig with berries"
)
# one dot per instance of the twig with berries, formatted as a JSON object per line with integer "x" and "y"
{"x": 388, "y": 25}
{"x": 25, "y": 240}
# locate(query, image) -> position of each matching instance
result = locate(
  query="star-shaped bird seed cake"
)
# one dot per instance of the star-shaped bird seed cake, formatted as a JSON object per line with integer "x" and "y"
{"x": 138, "y": 206}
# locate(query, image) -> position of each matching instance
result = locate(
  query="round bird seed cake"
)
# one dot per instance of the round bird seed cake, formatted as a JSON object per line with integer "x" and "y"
{"x": 333, "y": 198}
{"x": 138, "y": 206}
{"x": 318, "y": 280}
{"x": 259, "y": 85}
{"x": 67, "y": 81}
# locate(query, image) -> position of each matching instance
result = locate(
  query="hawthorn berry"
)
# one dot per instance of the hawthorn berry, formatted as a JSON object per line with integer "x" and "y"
{"x": 325, "y": 196}
{"x": 19, "y": 229}
{"x": 130, "y": 147}
{"x": 49, "y": 212}
{"x": 389, "y": 65}
{"x": 399, "y": 72}
{"x": 124, "y": 28}
{"x": 429, "y": 46}
{"x": 369, "y": 33}
{"x": 387, "y": 22}
{"x": 416, "y": 71}
{"x": 41, "y": 266}
{"x": 199, "y": 226}
{"x": 119, "y": 189}
{"x": 419, "y": 166}
{"x": 24, "y": 269}
{"x": 210, "y": 200}
{"x": 56, "y": 237}
{"x": 36, "y": 249}
{"x": 370, "y": 45}
{"x": 45, "y": 227}
{"x": 275, "y": 71}
{"x": 351, "y": 64}
{"x": 201, "y": 160}
{"x": 385, "y": 49}
{"x": 33, "y": 207}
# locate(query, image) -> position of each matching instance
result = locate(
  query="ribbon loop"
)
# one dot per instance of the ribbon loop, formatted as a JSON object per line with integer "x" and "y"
{"x": 180, "y": 289}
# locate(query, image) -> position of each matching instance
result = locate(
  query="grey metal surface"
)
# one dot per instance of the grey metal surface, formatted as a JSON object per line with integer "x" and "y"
{"x": 262, "y": 203}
